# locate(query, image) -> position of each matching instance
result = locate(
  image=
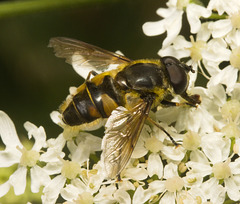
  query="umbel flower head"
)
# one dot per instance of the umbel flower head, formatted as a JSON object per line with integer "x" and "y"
{"x": 16, "y": 153}
{"x": 204, "y": 168}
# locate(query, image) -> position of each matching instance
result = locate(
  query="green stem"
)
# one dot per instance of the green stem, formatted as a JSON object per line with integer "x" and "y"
{"x": 14, "y": 8}
{"x": 215, "y": 16}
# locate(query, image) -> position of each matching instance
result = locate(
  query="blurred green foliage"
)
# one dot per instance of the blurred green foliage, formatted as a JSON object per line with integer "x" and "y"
{"x": 33, "y": 82}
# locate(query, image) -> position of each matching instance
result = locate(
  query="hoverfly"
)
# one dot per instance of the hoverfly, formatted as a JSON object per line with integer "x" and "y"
{"x": 124, "y": 95}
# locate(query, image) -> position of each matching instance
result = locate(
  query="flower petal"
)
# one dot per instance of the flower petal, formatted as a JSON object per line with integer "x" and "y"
{"x": 157, "y": 186}
{"x": 8, "y": 132}
{"x": 173, "y": 26}
{"x": 70, "y": 192}
{"x": 174, "y": 153}
{"x": 105, "y": 194}
{"x": 216, "y": 154}
{"x": 194, "y": 12}
{"x": 154, "y": 28}
{"x": 139, "y": 151}
{"x": 126, "y": 185}
{"x": 213, "y": 191}
{"x": 228, "y": 76}
{"x": 37, "y": 133}
{"x": 200, "y": 168}
{"x": 4, "y": 188}
{"x": 199, "y": 157}
{"x": 170, "y": 170}
{"x": 155, "y": 165}
{"x": 140, "y": 196}
{"x": 122, "y": 196}
{"x": 39, "y": 178}
{"x": 217, "y": 51}
{"x": 178, "y": 49}
{"x": 168, "y": 198}
{"x": 52, "y": 155}
{"x": 235, "y": 166}
{"x": 18, "y": 180}
{"x": 135, "y": 173}
{"x": 52, "y": 190}
{"x": 53, "y": 167}
{"x": 220, "y": 28}
{"x": 232, "y": 189}
{"x": 9, "y": 157}
{"x": 56, "y": 117}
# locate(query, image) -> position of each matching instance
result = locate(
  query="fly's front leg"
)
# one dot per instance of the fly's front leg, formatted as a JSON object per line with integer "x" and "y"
{"x": 192, "y": 100}
{"x": 169, "y": 103}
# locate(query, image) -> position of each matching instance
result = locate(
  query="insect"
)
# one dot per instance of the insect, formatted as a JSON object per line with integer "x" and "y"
{"x": 124, "y": 95}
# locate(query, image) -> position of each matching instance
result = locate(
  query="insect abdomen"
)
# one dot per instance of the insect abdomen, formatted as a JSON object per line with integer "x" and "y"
{"x": 93, "y": 102}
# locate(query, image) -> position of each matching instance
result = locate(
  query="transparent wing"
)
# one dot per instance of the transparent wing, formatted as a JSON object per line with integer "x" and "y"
{"x": 122, "y": 132}
{"x": 83, "y": 56}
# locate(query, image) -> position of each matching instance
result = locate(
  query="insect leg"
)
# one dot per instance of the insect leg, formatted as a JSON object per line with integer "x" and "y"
{"x": 169, "y": 103}
{"x": 91, "y": 73}
{"x": 192, "y": 100}
{"x": 119, "y": 178}
{"x": 161, "y": 128}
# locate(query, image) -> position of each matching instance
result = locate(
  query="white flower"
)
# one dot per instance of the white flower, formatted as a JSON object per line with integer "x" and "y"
{"x": 90, "y": 181}
{"x": 79, "y": 154}
{"x": 213, "y": 160}
{"x": 181, "y": 48}
{"x": 172, "y": 19}
{"x": 233, "y": 39}
{"x": 142, "y": 195}
{"x": 211, "y": 54}
{"x": 221, "y": 6}
{"x": 155, "y": 165}
{"x": 16, "y": 153}
{"x": 190, "y": 118}
{"x": 228, "y": 76}
{"x": 91, "y": 187}
{"x": 171, "y": 186}
{"x": 208, "y": 193}
{"x": 222, "y": 169}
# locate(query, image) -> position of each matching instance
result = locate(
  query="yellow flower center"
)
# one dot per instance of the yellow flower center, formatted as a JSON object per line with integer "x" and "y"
{"x": 231, "y": 130}
{"x": 181, "y": 4}
{"x": 84, "y": 198}
{"x": 235, "y": 58}
{"x": 221, "y": 170}
{"x": 235, "y": 19}
{"x": 231, "y": 109}
{"x": 29, "y": 157}
{"x": 196, "y": 49}
{"x": 174, "y": 184}
{"x": 70, "y": 169}
{"x": 191, "y": 140}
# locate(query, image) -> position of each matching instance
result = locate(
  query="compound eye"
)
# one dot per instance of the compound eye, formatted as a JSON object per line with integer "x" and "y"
{"x": 177, "y": 74}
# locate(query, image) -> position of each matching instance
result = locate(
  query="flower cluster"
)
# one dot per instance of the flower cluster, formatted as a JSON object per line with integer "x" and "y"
{"x": 204, "y": 168}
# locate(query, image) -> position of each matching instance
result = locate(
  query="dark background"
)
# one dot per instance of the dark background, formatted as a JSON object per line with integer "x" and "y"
{"x": 33, "y": 82}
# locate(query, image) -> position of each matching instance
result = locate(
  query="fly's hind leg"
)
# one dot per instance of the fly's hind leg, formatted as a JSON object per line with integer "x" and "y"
{"x": 161, "y": 128}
